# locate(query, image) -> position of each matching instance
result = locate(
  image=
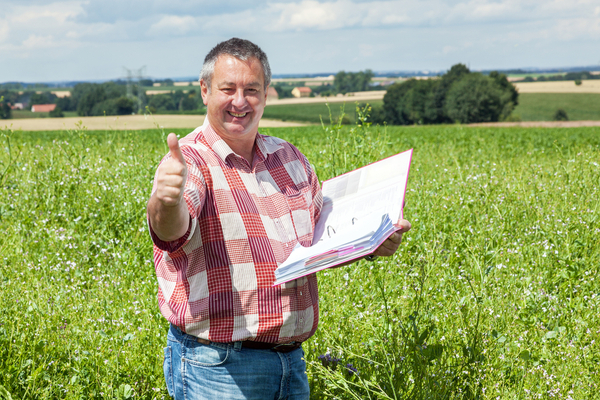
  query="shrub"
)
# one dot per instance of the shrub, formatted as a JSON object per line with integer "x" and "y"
{"x": 578, "y": 82}
{"x": 560, "y": 115}
{"x": 118, "y": 106}
{"x": 5, "y": 111}
{"x": 57, "y": 113}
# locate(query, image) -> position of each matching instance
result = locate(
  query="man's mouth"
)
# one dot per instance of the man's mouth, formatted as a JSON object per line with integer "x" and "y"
{"x": 237, "y": 115}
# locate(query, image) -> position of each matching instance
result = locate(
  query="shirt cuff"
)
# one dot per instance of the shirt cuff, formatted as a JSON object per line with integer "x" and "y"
{"x": 173, "y": 245}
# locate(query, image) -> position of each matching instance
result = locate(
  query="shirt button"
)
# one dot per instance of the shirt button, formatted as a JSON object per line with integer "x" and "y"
{"x": 300, "y": 293}
{"x": 301, "y": 319}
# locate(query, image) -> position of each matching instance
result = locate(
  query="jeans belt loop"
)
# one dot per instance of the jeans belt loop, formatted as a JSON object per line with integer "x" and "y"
{"x": 237, "y": 346}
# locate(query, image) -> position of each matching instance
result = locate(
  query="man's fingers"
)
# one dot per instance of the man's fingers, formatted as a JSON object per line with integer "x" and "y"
{"x": 395, "y": 238}
{"x": 174, "y": 148}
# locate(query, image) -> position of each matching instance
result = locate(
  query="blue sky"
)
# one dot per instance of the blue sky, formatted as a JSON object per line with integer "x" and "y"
{"x": 88, "y": 40}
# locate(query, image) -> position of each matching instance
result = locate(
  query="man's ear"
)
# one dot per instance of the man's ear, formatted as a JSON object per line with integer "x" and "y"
{"x": 204, "y": 91}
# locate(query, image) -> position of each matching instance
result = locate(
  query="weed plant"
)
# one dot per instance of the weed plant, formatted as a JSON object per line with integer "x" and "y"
{"x": 493, "y": 293}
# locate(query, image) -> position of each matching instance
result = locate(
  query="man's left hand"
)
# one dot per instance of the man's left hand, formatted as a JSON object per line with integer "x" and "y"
{"x": 390, "y": 246}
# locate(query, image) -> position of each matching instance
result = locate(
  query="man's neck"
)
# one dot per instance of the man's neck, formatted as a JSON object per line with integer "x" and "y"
{"x": 243, "y": 148}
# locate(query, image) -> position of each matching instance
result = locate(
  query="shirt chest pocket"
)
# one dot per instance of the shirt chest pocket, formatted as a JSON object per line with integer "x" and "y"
{"x": 298, "y": 201}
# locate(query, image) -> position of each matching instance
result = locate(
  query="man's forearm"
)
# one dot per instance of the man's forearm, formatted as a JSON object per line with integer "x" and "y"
{"x": 168, "y": 222}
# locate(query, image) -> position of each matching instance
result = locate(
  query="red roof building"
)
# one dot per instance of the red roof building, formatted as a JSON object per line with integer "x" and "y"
{"x": 43, "y": 107}
{"x": 302, "y": 91}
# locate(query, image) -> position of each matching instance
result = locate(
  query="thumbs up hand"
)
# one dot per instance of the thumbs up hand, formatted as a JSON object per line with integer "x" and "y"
{"x": 172, "y": 175}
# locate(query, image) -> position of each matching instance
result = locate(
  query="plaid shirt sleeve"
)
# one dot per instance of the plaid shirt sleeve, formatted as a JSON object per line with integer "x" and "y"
{"x": 193, "y": 196}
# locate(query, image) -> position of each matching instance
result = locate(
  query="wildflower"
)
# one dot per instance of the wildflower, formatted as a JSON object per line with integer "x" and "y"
{"x": 351, "y": 370}
{"x": 328, "y": 361}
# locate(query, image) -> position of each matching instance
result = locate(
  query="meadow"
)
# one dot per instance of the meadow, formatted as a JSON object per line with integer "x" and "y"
{"x": 316, "y": 112}
{"x": 492, "y": 295}
{"x": 542, "y": 106}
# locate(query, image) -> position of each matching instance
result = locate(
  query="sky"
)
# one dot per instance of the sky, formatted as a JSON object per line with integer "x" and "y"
{"x": 45, "y": 41}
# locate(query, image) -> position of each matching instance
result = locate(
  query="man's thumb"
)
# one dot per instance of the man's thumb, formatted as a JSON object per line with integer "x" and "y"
{"x": 174, "y": 148}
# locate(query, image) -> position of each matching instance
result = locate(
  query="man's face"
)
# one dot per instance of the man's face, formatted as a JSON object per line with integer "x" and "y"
{"x": 236, "y": 100}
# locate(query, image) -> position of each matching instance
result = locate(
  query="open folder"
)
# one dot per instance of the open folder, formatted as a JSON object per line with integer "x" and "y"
{"x": 361, "y": 209}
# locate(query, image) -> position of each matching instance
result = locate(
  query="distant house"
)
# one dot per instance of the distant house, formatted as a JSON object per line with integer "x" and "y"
{"x": 302, "y": 91}
{"x": 43, "y": 107}
{"x": 272, "y": 94}
{"x": 17, "y": 106}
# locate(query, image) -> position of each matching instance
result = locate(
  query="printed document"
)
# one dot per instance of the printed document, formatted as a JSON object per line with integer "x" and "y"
{"x": 360, "y": 211}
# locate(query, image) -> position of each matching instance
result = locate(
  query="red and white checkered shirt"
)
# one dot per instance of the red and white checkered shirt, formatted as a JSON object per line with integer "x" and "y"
{"x": 216, "y": 281}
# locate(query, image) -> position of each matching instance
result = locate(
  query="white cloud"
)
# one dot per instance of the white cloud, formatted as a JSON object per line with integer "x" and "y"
{"x": 173, "y": 24}
{"x": 39, "y": 42}
{"x": 352, "y": 33}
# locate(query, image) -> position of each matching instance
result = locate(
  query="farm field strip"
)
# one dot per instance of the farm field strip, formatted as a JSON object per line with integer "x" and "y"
{"x": 587, "y": 86}
{"x": 122, "y": 122}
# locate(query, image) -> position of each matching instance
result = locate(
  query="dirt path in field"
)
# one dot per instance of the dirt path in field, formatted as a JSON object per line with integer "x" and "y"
{"x": 123, "y": 122}
{"x": 539, "y": 124}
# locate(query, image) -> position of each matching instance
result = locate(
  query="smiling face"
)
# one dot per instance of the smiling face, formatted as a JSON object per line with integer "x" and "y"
{"x": 235, "y": 101}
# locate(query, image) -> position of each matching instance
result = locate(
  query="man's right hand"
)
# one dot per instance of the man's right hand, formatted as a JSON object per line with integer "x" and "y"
{"x": 172, "y": 175}
{"x": 168, "y": 214}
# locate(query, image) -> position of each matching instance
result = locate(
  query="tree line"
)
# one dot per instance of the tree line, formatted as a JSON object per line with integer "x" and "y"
{"x": 109, "y": 98}
{"x": 457, "y": 96}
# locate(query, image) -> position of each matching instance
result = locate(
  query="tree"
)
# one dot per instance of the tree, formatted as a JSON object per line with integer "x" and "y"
{"x": 57, "y": 113}
{"x": 42, "y": 98}
{"x": 85, "y": 96}
{"x": 5, "y": 111}
{"x": 411, "y": 102}
{"x": 119, "y": 106}
{"x": 162, "y": 102}
{"x": 65, "y": 104}
{"x": 345, "y": 82}
{"x": 475, "y": 98}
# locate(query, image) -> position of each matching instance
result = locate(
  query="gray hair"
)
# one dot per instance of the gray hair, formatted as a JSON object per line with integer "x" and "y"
{"x": 239, "y": 48}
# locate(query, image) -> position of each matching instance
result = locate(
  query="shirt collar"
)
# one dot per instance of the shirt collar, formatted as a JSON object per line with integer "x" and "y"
{"x": 264, "y": 145}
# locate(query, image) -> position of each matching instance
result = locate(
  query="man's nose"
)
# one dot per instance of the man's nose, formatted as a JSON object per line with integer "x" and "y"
{"x": 239, "y": 100}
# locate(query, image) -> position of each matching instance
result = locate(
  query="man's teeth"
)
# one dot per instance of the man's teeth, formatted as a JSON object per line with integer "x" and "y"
{"x": 238, "y": 115}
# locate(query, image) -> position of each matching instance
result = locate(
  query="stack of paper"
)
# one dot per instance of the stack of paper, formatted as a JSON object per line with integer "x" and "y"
{"x": 360, "y": 211}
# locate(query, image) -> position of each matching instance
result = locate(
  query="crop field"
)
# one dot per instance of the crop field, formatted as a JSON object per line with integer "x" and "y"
{"x": 494, "y": 293}
{"x": 587, "y": 86}
{"x": 542, "y": 106}
{"x": 315, "y": 112}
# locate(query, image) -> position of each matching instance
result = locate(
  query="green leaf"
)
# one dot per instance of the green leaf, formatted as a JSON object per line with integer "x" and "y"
{"x": 525, "y": 355}
{"x": 551, "y": 334}
{"x": 5, "y": 394}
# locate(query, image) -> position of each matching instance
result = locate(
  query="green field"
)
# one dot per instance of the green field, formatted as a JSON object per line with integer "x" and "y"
{"x": 16, "y": 114}
{"x": 494, "y": 293}
{"x": 542, "y": 106}
{"x": 313, "y": 112}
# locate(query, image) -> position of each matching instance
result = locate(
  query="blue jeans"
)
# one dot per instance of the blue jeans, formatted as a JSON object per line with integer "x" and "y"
{"x": 228, "y": 371}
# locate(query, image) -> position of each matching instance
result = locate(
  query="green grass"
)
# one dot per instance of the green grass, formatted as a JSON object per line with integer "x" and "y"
{"x": 313, "y": 112}
{"x": 494, "y": 293}
{"x": 16, "y": 114}
{"x": 541, "y": 106}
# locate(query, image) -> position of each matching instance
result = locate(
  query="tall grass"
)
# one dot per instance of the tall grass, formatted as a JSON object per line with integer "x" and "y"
{"x": 492, "y": 294}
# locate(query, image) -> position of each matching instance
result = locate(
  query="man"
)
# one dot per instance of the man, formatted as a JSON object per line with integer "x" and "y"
{"x": 229, "y": 205}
